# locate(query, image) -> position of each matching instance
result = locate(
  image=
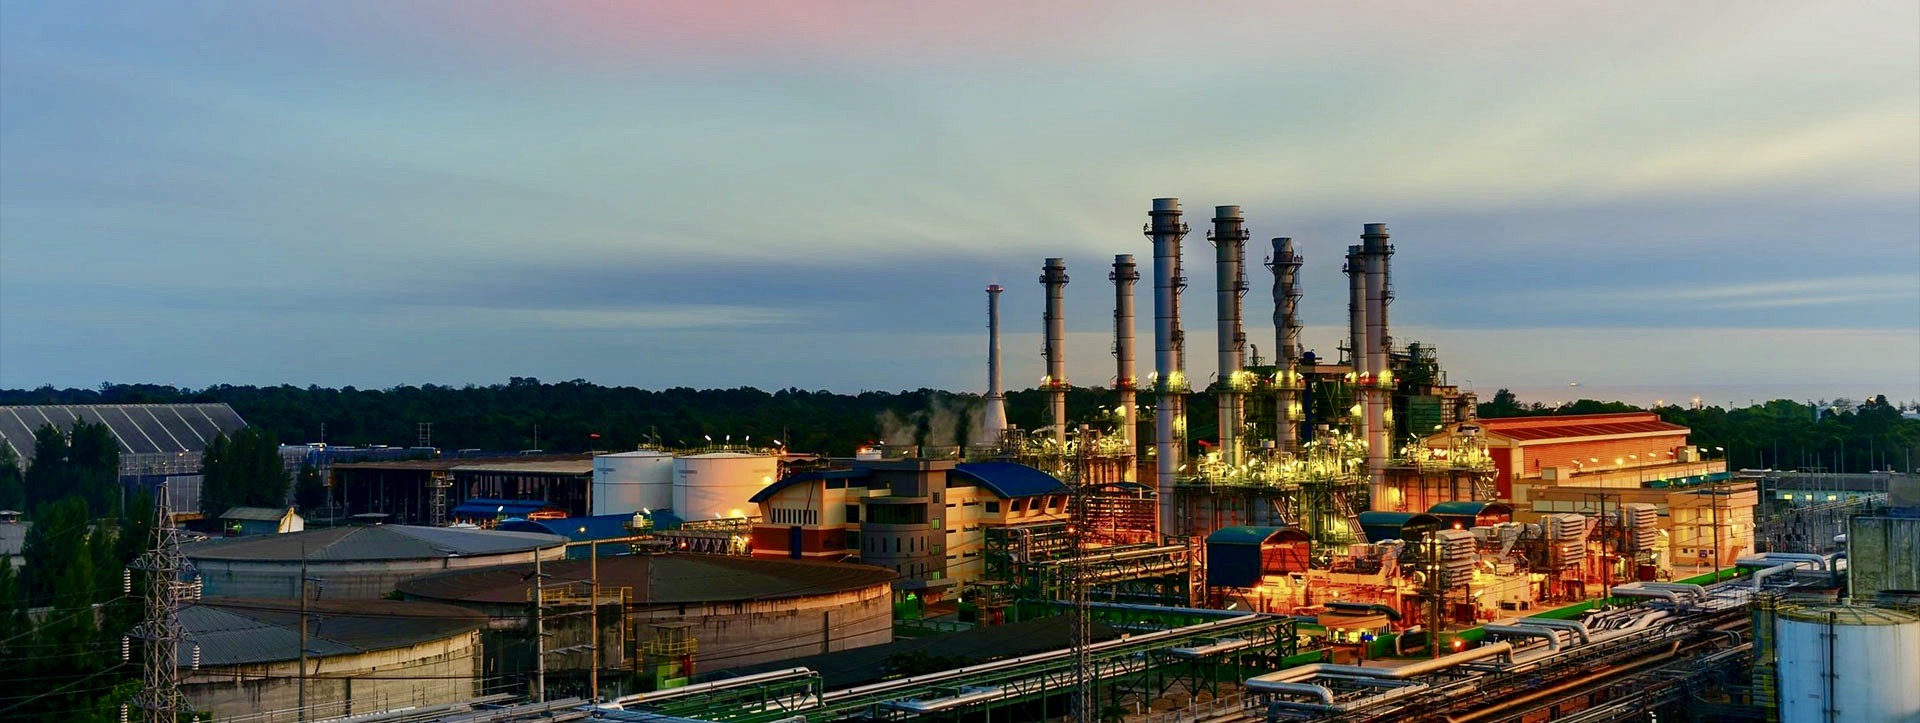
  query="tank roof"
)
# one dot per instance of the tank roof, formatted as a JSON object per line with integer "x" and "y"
{"x": 657, "y": 579}
{"x": 376, "y": 542}
{"x": 1848, "y": 615}
{"x": 235, "y": 631}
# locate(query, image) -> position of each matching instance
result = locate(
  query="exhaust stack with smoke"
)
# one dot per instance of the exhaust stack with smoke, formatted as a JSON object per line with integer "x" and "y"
{"x": 994, "y": 419}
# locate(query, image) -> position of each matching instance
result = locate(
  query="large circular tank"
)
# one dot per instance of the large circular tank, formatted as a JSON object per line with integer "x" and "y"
{"x": 1848, "y": 662}
{"x": 627, "y": 482}
{"x": 739, "y": 610}
{"x": 355, "y": 563}
{"x": 719, "y": 485}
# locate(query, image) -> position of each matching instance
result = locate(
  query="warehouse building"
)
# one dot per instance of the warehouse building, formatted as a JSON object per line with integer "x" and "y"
{"x": 241, "y": 657}
{"x": 355, "y": 563}
{"x": 734, "y": 611}
{"x": 424, "y": 491}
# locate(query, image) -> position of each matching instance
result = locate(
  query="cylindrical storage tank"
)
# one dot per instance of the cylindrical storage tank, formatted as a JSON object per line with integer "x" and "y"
{"x": 627, "y": 482}
{"x": 1846, "y": 663}
{"x": 719, "y": 485}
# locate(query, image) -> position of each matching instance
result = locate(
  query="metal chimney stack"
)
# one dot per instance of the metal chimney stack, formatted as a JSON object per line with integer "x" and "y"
{"x": 1379, "y": 383}
{"x": 1124, "y": 275}
{"x": 1170, "y": 382}
{"x": 1229, "y": 238}
{"x": 1286, "y": 323}
{"x": 994, "y": 422}
{"x": 1054, "y": 277}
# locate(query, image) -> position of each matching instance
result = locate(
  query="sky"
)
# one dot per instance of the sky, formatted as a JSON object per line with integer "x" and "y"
{"x": 1663, "y": 196}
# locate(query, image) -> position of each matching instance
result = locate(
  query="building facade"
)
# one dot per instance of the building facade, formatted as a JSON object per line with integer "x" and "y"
{"x": 924, "y": 519}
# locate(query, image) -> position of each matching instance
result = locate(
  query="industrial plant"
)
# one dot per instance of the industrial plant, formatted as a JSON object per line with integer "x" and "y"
{"x": 1280, "y": 538}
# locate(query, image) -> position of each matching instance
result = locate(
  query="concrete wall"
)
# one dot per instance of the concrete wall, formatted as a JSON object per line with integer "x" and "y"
{"x": 339, "y": 580}
{"x": 1883, "y": 553}
{"x": 430, "y": 673}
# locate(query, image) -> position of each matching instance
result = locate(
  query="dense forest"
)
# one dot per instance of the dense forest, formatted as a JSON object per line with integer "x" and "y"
{"x": 573, "y": 416}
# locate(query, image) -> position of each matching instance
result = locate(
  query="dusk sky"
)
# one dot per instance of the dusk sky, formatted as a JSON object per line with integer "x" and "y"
{"x": 813, "y": 194}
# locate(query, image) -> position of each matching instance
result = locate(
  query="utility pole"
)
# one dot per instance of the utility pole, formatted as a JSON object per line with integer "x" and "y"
{"x": 159, "y": 694}
{"x": 1084, "y": 696}
{"x": 593, "y": 624}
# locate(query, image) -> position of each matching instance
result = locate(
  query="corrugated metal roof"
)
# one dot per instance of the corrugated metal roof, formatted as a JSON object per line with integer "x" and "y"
{"x": 490, "y": 507}
{"x": 1380, "y": 525}
{"x": 580, "y": 467}
{"x": 262, "y": 514}
{"x": 1528, "y": 429}
{"x": 141, "y": 429}
{"x": 1848, "y": 615}
{"x": 13, "y": 536}
{"x": 767, "y": 492}
{"x": 1010, "y": 479}
{"x": 238, "y": 631}
{"x": 378, "y": 542}
{"x": 657, "y": 579}
{"x": 1247, "y": 535}
{"x": 448, "y": 463}
{"x": 1466, "y": 508}
{"x": 578, "y": 529}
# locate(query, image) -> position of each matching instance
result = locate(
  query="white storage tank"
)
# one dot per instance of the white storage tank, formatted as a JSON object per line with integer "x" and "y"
{"x": 626, "y": 482}
{"x": 1847, "y": 663}
{"x": 718, "y": 485}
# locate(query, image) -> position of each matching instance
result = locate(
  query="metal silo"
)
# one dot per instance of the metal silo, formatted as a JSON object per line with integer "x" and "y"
{"x": 1848, "y": 663}
{"x": 632, "y": 481}
{"x": 720, "y": 485}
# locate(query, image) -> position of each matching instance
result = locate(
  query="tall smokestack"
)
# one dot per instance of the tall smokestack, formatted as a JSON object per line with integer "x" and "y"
{"x": 1170, "y": 379}
{"x": 1123, "y": 276}
{"x": 1379, "y": 385}
{"x": 1286, "y": 323}
{"x": 1229, "y": 241}
{"x": 994, "y": 423}
{"x": 1054, "y": 277}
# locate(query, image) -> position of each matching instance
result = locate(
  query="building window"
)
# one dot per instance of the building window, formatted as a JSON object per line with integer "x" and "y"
{"x": 853, "y": 514}
{"x": 1016, "y": 505}
{"x": 993, "y": 507}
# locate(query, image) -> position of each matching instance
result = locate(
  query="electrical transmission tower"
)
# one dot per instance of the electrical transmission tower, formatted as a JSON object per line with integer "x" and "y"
{"x": 160, "y": 632}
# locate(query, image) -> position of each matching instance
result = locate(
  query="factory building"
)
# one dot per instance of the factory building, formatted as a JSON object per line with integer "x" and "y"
{"x": 719, "y": 611}
{"x": 238, "y": 521}
{"x": 1883, "y": 549}
{"x": 1593, "y": 464}
{"x": 241, "y": 657}
{"x": 424, "y": 491}
{"x": 159, "y": 443}
{"x": 927, "y": 520}
{"x": 355, "y": 563}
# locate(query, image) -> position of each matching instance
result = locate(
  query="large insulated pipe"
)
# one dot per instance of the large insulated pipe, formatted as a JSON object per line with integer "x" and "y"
{"x": 1124, "y": 275}
{"x": 1260, "y": 683}
{"x": 1170, "y": 383}
{"x": 994, "y": 422}
{"x": 1229, "y": 238}
{"x": 1377, "y": 252}
{"x": 1528, "y": 631}
{"x": 1286, "y": 327}
{"x": 1573, "y": 626}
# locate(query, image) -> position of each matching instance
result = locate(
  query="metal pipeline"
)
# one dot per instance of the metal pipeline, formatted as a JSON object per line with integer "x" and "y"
{"x": 1760, "y": 576}
{"x": 1574, "y": 626}
{"x": 1774, "y": 558}
{"x": 1403, "y": 672}
{"x": 1558, "y": 688}
{"x": 1698, "y": 592}
{"x": 1527, "y": 631}
{"x": 1633, "y": 590}
{"x": 1398, "y": 639}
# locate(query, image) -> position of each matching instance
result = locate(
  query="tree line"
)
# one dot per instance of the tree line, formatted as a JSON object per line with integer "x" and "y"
{"x": 1841, "y": 435}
